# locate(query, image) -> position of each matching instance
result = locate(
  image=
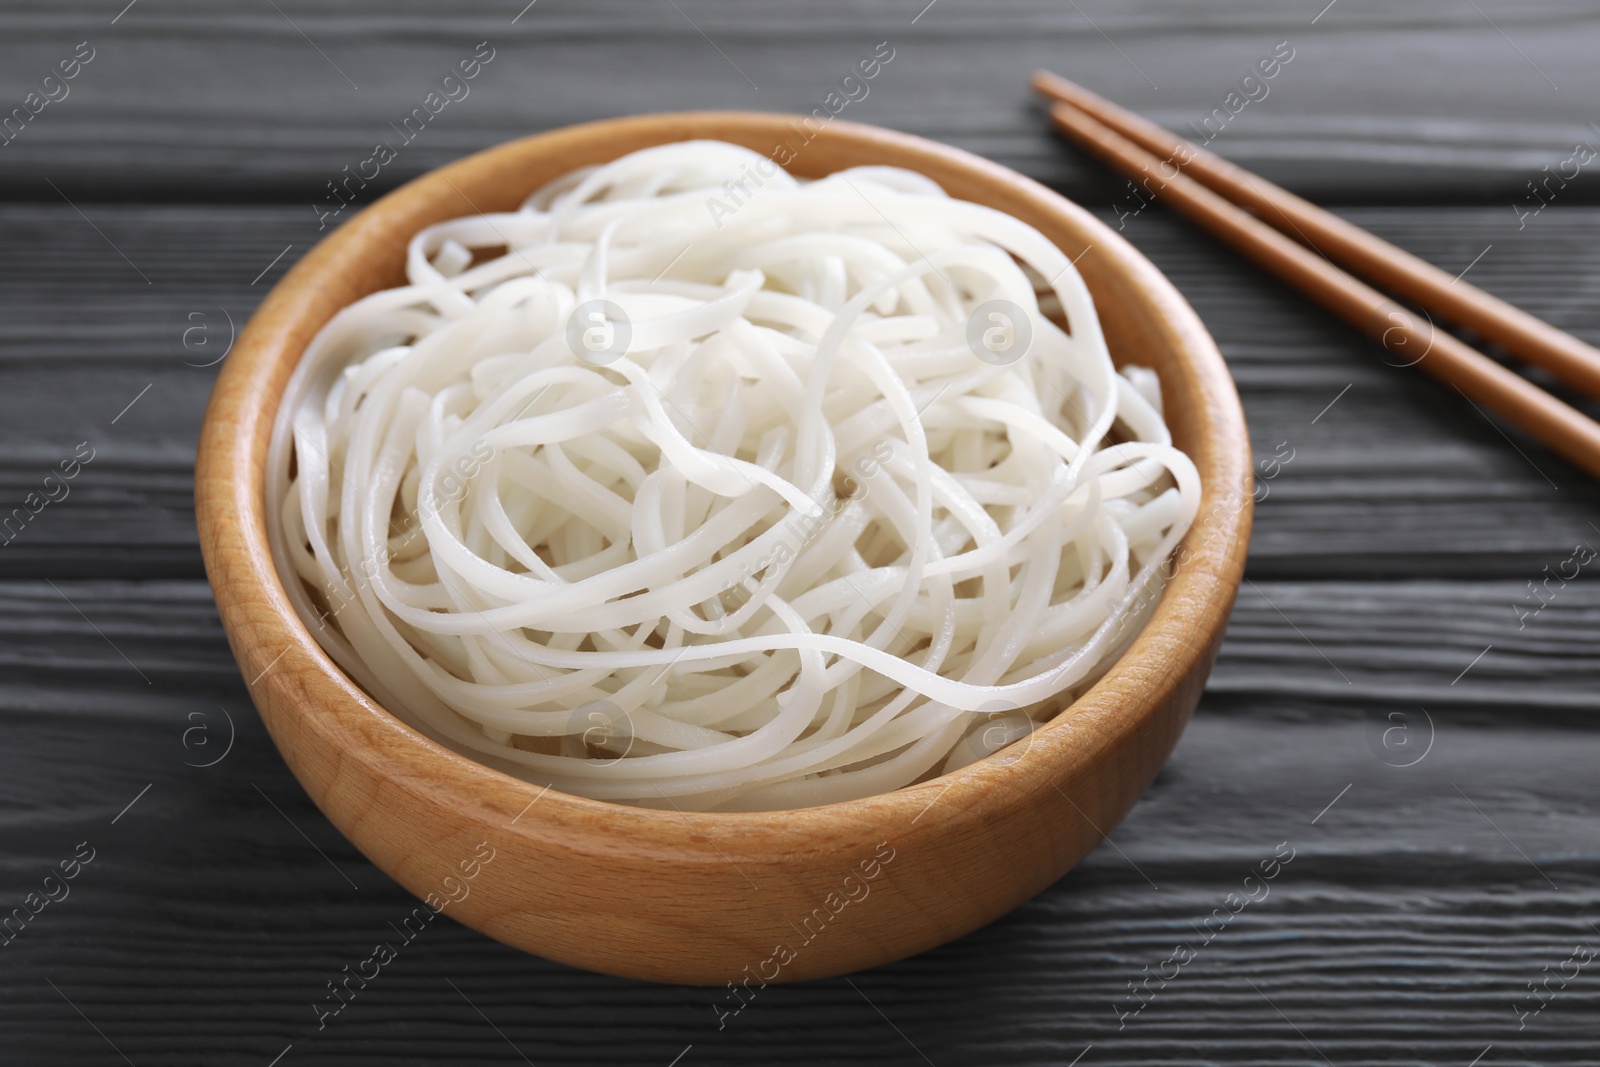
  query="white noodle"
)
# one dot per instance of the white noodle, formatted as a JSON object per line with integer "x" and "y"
{"x": 796, "y": 544}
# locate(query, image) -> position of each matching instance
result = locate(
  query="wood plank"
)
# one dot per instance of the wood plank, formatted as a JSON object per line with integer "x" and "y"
{"x": 182, "y": 99}
{"x": 1404, "y": 906}
{"x": 1373, "y": 481}
{"x": 1388, "y": 554}
{"x": 1397, "y": 459}
{"x": 1330, "y": 643}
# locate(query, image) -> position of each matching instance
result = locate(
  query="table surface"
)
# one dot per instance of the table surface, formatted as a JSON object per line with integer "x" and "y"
{"x": 1388, "y": 702}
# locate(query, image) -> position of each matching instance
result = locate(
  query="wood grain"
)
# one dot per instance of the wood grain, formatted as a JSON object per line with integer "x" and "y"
{"x": 1399, "y": 643}
{"x": 1404, "y": 905}
{"x": 1402, "y": 529}
{"x": 1380, "y": 103}
{"x": 1373, "y": 480}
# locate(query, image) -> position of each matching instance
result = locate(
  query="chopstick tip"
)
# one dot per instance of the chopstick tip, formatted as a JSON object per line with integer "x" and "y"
{"x": 1045, "y": 81}
{"x": 1053, "y": 86}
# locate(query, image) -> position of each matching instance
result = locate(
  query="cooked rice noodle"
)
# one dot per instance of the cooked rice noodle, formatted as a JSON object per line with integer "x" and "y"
{"x": 796, "y": 544}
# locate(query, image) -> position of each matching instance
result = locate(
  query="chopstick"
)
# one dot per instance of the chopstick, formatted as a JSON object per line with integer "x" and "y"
{"x": 1478, "y": 378}
{"x": 1529, "y": 338}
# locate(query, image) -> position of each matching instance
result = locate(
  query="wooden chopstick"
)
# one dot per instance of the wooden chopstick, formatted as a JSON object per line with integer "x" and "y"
{"x": 1563, "y": 428}
{"x": 1524, "y": 336}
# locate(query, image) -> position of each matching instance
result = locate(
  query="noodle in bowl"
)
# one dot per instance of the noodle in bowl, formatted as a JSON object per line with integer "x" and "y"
{"x": 655, "y": 493}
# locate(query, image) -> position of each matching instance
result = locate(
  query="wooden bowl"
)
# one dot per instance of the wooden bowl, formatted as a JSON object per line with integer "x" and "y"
{"x": 714, "y": 898}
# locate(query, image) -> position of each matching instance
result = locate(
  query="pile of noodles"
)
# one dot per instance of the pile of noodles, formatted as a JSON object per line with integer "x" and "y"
{"x": 792, "y": 518}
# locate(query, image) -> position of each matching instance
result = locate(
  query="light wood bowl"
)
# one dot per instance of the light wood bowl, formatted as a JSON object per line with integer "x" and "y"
{"x": 713, "y": 898}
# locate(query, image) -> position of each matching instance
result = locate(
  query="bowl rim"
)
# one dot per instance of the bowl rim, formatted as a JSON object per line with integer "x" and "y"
{"x": 291, "y": 670}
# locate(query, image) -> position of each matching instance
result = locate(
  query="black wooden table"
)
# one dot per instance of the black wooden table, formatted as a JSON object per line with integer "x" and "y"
{"x": 1407, "y": 695}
